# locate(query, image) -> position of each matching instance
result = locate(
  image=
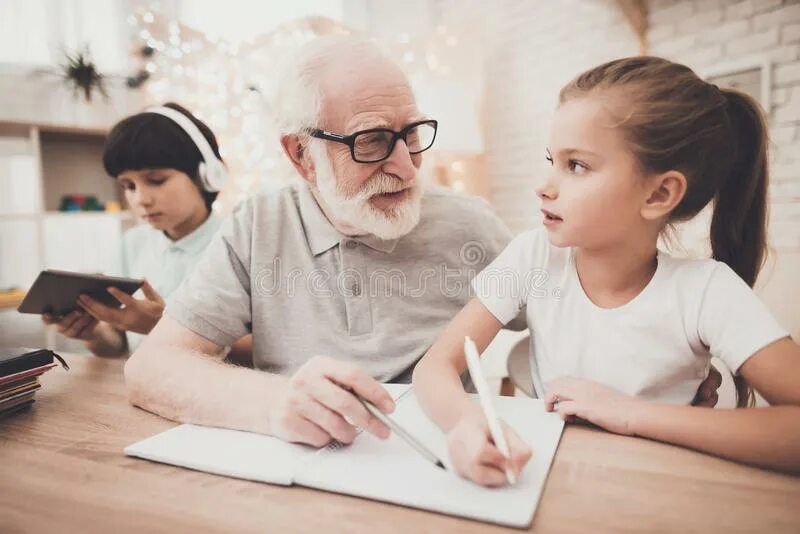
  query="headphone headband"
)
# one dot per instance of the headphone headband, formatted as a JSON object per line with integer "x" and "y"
{"x": 211, "y": 170}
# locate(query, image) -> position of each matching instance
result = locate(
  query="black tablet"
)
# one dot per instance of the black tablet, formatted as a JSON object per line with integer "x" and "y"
{"x": 56, "y": 292}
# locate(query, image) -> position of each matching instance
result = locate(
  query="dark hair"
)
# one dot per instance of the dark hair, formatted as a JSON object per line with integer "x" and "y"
{"x": 716, "y": 137}
{"x": 152, "y": 141}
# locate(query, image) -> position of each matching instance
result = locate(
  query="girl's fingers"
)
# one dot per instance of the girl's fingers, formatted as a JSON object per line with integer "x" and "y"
{"x": 488, "y": 476}
{"x": 491, "y": 456}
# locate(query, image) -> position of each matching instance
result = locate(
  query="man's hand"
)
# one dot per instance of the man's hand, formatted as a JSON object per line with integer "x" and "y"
{"x": 318, "y": 404}
{"x": 707, "y": 392}
{"x": 136, "y": 315}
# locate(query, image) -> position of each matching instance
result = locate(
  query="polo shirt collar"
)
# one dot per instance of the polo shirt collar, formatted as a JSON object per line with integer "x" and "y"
{"x": 196, "y": 240}
{"x": 322, "y": 235}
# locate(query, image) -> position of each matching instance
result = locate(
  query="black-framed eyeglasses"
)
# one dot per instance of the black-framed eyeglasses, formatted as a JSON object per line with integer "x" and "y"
{"x": 377, "y": 144}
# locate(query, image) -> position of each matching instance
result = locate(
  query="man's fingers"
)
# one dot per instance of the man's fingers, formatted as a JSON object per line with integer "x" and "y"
{"x": 355, "y": 378}
{"x": 345, "y": 404}
{"x": 304, "y": 431}
{"x": 151, "y": 293}
{"x": 329, "y": 421}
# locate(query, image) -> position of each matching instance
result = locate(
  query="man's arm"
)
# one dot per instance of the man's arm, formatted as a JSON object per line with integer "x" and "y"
{"x": 180, "y": 375}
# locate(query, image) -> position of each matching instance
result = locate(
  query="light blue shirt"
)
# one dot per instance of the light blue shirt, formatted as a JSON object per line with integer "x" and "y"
{"x": 149, "y": 253}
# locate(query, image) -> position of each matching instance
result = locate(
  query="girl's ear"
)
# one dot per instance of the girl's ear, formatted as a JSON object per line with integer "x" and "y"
{"x": 664, "y": 192}
{"x": 295, "y": 149}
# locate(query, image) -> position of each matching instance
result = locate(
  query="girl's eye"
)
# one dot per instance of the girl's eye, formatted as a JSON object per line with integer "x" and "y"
{"x": 577, "y": 167}
{"x": 549, "y": 158}
{"x": 127, "y": 186}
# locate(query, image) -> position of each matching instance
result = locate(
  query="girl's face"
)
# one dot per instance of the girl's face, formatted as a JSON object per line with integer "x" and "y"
{"x": 593, "y": 195}
{"x": 167, "y": 199}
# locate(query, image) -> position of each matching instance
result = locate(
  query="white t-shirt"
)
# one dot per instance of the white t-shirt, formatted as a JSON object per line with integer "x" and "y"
{"x": 149, "y": 253}
{"x": 657, "y": 346}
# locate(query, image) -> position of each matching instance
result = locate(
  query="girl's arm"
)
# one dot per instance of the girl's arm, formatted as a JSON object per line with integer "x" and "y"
{"x": 437, "y": 385}
{"x": 437, "y": 381}
{"x": 766, "y": 437}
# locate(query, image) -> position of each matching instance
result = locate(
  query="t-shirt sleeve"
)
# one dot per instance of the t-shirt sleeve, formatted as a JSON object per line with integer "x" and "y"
{"x": 733, "y": 322}
{"x": 214, "y": 300}
{"x": 503, "y": 286}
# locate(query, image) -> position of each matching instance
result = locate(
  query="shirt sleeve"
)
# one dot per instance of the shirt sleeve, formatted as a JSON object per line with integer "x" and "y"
{"x": 214, "y": 300}
{"x": 503, "y": 285}
{"x": 733, "y": 322}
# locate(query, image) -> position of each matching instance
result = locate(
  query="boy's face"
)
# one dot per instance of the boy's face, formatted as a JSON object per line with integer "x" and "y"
{"x": 167, "y": 199}
{"x": 594, "y": 193}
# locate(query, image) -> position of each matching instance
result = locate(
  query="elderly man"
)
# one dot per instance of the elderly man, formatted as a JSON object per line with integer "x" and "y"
{"x": 344, "y": 280}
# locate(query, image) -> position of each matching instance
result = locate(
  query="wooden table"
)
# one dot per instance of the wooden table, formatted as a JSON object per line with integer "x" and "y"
{"x": 62, "y": 469}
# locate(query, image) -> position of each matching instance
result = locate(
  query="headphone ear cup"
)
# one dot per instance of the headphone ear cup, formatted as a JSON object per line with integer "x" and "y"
{"x": 202, "y": 172}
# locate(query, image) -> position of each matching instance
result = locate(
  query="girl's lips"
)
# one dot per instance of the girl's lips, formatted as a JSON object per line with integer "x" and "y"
{"x": 550, "y": 218}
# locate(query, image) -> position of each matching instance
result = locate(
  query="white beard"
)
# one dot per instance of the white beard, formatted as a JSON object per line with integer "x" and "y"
{"x": 355, "y": 210}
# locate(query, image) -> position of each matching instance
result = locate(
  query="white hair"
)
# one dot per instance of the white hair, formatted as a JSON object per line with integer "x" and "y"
{"x": 299, "y": 97}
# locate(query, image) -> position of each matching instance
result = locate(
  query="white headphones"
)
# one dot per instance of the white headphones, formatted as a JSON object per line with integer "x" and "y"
{"x": 212, "y": 171}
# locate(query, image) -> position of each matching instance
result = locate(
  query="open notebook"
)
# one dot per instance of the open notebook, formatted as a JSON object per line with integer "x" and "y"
{"x": 384, "y": 470}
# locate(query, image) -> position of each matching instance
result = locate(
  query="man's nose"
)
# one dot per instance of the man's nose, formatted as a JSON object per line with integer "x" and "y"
{"x": 400, "y": 162}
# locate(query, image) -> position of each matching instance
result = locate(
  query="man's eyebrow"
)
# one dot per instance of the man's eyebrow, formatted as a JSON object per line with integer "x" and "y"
{"x": 369, "y": 124}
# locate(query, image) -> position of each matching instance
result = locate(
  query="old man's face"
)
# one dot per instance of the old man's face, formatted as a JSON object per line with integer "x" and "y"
{"x": 381, "y": 198}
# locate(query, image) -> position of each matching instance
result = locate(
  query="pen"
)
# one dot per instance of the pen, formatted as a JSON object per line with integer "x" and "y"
{"x": 400, "y": 431}
{"x": 485, "y": 397}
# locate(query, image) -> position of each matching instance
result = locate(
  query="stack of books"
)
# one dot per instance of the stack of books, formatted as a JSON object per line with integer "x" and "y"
{"x": 19, "y": 376}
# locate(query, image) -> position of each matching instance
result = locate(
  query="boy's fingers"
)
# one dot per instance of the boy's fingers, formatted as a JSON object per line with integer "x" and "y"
{"x": 121, "y": 296}
{"x": 151, "y": 293}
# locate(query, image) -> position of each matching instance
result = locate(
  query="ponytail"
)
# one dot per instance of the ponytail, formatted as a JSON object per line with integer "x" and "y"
{"x": 739, "y": 222}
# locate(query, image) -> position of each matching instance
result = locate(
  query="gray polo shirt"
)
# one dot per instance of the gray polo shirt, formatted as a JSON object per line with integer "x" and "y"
{"x": 279, "y": 269}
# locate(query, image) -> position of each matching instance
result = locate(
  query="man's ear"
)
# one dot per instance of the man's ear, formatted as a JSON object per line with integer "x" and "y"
{"x": 664, "y": 192}
{"x": 298, "y": 154}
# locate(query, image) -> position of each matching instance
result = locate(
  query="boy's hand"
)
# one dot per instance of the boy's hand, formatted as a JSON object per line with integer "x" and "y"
{"x": 136, "y": 315}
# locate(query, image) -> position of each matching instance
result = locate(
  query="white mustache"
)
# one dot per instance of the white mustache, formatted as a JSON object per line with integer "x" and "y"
{"x": 383, "y": 183}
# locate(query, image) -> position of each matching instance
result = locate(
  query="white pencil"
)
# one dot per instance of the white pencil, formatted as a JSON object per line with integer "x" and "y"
{"x": 485, "y": 397}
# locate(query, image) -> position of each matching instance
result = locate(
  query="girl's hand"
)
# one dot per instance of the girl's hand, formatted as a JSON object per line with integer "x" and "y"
{"x": 600, "y": 405}
{"x": 476, "y": 458}
{"x": 76, "y": 325}
{"x": 136, "y": 315}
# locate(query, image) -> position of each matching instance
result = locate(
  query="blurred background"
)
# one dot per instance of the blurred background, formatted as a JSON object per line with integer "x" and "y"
{"x": 489, "y": 71}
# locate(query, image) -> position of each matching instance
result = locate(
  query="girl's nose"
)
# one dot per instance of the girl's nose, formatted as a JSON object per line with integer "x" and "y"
{"x": 546, "y": 190}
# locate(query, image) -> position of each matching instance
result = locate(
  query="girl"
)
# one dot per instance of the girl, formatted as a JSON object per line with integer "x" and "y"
{"x": 168, "y": 164}
{"x": 622, "y": 333}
